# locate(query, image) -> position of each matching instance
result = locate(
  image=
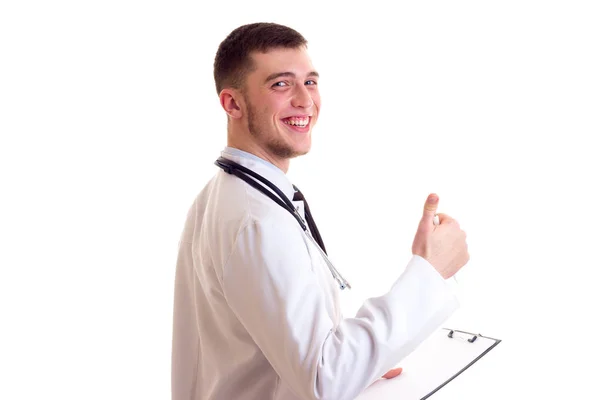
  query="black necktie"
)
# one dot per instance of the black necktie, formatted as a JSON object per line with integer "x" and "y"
{"x": 309, "y": 219}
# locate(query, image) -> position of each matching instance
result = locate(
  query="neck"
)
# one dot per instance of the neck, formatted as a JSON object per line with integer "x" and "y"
{"x": 253, "y": 148}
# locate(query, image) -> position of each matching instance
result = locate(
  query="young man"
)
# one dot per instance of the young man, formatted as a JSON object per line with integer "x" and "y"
{"x": 257, "y": 313}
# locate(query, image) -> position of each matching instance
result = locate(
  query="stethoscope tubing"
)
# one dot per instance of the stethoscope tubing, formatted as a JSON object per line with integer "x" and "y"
{"x": 246, "y": 175}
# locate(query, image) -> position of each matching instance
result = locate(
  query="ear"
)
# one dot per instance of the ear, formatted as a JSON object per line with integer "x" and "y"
{"x": 232, "y": 102}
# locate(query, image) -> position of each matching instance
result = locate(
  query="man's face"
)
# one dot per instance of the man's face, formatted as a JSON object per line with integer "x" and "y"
{"x": 282, "y": 102}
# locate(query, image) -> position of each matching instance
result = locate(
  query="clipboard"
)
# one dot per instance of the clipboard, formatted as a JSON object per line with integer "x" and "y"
{"x": 439, "y": 359}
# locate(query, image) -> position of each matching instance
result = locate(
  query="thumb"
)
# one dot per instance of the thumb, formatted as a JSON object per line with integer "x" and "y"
{"x": 392, "y": 373}
{"x": 430, "y": 207}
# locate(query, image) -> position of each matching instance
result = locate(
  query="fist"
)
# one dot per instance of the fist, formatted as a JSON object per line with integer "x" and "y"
{"x": 443, "y": 245}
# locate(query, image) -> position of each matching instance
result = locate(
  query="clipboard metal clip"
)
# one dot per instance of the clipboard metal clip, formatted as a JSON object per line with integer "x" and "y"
{"x": 472, "y": 337}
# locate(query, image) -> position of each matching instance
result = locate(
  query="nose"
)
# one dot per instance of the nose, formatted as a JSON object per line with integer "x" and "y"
{"x": 302, "y": 98}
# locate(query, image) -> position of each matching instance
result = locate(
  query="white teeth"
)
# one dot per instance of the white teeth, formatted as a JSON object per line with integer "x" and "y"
{"x": 299, "y": 122}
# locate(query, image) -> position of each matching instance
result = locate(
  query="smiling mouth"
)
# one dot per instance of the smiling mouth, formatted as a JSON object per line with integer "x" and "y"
{"x": 297, "y": 122}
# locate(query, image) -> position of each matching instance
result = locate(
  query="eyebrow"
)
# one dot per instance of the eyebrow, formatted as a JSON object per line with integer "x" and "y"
{"x": 289, "y": 75}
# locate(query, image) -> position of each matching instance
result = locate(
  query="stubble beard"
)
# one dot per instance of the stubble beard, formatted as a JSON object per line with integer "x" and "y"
{"x": 275, "y": 146}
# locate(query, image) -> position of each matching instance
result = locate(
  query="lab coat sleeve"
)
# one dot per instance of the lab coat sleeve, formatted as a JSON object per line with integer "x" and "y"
{"x": 269, "y": 284}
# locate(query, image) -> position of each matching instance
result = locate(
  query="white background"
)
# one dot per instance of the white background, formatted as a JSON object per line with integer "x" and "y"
{"x": 110, "y": 124}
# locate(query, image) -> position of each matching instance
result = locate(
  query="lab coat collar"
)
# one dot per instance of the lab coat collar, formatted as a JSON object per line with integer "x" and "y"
{"x": 261, "y": 167}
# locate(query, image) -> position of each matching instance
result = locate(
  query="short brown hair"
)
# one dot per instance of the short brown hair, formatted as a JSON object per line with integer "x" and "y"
{"x": 233, "y": 61}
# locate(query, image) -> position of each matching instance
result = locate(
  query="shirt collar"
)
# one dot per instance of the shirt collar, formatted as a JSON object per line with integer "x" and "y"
{"x": 262, "y": 167}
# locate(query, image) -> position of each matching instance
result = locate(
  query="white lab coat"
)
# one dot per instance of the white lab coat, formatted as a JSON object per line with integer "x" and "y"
{"x": 257, "y": 314}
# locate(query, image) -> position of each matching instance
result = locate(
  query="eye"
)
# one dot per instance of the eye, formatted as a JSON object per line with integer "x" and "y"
{"x": 310, "y": 82}
{"x": 280, "y": 84}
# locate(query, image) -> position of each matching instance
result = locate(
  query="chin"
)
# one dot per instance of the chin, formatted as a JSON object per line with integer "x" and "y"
{"x": 303, "y": 150}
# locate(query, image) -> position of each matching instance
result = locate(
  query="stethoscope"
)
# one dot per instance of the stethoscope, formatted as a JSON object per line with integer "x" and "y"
{"x": 245, "y": 174}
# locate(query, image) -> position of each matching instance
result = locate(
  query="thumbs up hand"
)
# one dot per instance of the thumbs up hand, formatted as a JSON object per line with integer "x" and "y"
{"x": 443, "y": 245}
